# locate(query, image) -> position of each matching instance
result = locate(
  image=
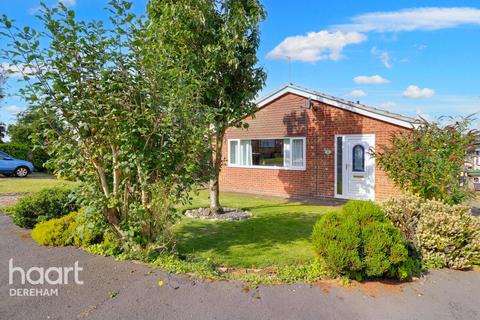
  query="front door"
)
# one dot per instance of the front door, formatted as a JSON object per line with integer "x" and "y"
{"x": 355, "y": 167}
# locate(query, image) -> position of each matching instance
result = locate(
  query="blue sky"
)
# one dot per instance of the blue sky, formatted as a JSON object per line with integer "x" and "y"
{"x": 408, "y": 57}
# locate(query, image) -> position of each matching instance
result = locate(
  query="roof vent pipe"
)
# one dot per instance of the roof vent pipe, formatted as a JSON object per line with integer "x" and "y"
{"x": 309, "y": 104}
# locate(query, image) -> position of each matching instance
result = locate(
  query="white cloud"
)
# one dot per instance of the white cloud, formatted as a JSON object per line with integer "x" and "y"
{"x": 427, "y": 18}
{"x": 315, "y": 46}
{"x": 13, "y": 109}
{"x": 420, "y": 47}
{"x": 475, "y": 124}
{"x": 375, "y": 79}
{"x": 16, "y": 71}
{"x": 37, "y": 9}
{"x": 388, "y": 105}
{"x": 415, "y": 92}
{"x": 384, "y": 56}
{"x": 68, "y": 3}
{"x": 358, "y": 93}
{"x": 421, "y": 114}
{"x": 34, "y": 10}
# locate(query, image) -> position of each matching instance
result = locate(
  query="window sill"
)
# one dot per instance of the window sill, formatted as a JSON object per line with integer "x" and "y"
{"x": 266, "y": 167}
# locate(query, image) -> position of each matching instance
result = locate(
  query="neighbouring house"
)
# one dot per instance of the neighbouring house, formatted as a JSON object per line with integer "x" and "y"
{"x": 473, "y": 161}
{"x": 472, "y": 168}
{"x": 303, "y": 143}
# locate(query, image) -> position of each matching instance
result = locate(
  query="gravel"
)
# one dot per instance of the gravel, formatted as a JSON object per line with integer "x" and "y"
{"x": 9, "y": 199}
{"x": 229, "y": 214}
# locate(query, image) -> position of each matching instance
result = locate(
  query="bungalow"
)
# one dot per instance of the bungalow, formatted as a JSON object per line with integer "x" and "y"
{"x": 303, "y": 143}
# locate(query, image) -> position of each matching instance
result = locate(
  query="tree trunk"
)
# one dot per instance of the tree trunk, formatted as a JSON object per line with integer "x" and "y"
{"x": 116, "y": 171}
{"x": 215, "y": 206}
{"x": 214, "y": 196}
{"x": 115, "y": 223}
{"x": 111, "y": 213}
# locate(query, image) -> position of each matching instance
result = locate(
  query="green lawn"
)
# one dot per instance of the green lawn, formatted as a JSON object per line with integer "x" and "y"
{"x": 277, "y": 234}
{"x": 32, "y": 183}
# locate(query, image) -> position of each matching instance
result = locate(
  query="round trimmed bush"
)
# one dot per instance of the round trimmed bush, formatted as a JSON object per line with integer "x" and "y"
{"x": 44, "y": 205}
{"x": 361, "y": 243}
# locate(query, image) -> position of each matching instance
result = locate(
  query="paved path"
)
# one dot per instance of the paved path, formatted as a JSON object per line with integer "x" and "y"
{"x": 440, "y": 295}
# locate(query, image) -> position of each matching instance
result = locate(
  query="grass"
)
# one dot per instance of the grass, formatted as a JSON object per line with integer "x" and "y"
{"x": 32, "y": 183}
{"x": 278, "y": 234}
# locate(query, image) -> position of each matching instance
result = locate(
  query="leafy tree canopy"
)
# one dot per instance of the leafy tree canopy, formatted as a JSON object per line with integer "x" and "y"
{"x": 215, "y": 41}
{"x": 27, "y": 125}
{"x": 127, "y": 133}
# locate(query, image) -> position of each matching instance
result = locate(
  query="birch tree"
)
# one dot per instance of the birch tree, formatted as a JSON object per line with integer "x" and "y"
{"x": 219, "y": 41}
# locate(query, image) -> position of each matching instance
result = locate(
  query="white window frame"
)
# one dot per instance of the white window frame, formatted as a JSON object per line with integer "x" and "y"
{"x": 230, "y": 164}
{"x": 298, "y": 168}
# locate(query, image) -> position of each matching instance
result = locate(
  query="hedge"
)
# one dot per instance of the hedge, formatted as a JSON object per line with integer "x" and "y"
{"x": 26, "y": 152}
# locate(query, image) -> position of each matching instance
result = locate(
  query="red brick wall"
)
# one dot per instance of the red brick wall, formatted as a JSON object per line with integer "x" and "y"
{"x": 287, "y": 117}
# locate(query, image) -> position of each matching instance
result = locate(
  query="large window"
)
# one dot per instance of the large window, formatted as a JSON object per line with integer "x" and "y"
{"x": 268, "y": 153}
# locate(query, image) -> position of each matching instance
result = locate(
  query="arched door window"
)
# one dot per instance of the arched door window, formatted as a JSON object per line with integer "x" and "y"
{"x": 358, "y": 159}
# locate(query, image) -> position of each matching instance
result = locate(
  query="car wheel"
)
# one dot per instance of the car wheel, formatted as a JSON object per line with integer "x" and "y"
{"x": 21, "y": 172}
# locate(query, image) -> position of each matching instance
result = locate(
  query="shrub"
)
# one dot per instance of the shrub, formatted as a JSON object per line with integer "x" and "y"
{"x": 80, "y": 232}
{"x": 360, "y": 242}
{"x": 404, "y": 212}
{"x": 445, "y": 235}
{"x": 449, "y": 236}
{"x": 337, "y": 240}
{"x": 109, "y": 245}
{"x": 364, "y": 212}
{"x": 429, "y": 159}
{"x": 44, "y": 205}
{"x": 74, "y": 229}
{"x": 54, "y": 232}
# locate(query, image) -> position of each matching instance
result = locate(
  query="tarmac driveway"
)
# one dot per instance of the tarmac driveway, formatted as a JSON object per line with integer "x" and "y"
{"x": 126, "y": 290}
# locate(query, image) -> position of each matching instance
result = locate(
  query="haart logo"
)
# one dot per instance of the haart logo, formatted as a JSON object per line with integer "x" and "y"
{"x": 42, "y": 276}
